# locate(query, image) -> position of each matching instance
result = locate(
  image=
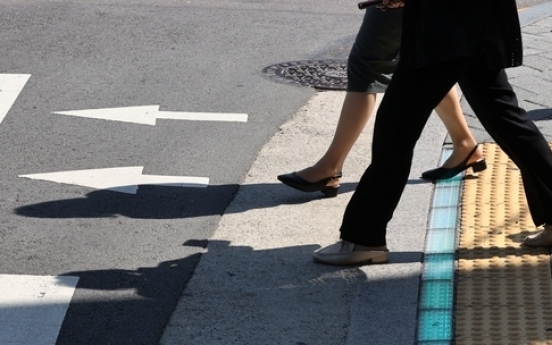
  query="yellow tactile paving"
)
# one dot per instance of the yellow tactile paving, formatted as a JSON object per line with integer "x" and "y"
{"x": 504, "y": 291}
{"x": 501, "y": 325}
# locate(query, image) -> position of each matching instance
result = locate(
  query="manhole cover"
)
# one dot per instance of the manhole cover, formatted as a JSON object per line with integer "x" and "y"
{"x": 320, "y": 74}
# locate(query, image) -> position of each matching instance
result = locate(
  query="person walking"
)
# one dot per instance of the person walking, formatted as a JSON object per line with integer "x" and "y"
{"x": 445, "y": 42}
{"x": 371, "y": 63}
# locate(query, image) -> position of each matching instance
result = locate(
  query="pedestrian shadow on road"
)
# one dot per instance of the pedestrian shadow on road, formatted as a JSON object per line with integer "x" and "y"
{"x": 162, "y": 202}
{"x": 540, "y": 114}
{"x": 237, "y": 290}
{"x": 124, "y": 306}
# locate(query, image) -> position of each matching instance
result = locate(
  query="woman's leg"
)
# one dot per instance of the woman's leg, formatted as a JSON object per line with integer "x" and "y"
{"x": 463, "y": 142}
{"x": 372, "y": 60}
{"x": 355, "y": 113}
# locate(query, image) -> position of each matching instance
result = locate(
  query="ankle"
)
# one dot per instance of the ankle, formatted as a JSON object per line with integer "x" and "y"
{"x": 461, "y": 151}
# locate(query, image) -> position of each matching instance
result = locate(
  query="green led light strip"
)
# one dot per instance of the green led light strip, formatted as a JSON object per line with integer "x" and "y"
{"x": 436, "y": 300}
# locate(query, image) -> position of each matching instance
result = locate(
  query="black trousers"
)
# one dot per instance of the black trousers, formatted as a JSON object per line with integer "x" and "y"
{"x": 401, "y": 117}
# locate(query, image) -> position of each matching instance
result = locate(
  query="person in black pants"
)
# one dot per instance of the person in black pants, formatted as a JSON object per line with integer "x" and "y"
{"x": 445, "y": 42}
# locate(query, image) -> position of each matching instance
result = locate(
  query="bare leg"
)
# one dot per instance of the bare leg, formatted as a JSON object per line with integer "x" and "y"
{"x": 463, "y": 142}
{"x": 356, "y": 110}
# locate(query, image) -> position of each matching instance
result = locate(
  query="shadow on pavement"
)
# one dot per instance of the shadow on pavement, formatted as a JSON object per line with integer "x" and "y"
{"x": 155, "y": 202}
{"x": 540, "y": 114}
{"x": 283, "y": 284}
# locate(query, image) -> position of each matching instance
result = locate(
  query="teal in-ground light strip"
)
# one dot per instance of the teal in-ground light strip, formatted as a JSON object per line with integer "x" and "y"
{"x": 435, "y": 325}
{"x": 445, "y": 197}
{"x": 443, "y": 218}
{"x": 437, "y": 294}
{"x": 441, "y": 241}
{"x": 451, "y": 182}
{"x": 436, "y": 299}
{"x": 438, "y": 266}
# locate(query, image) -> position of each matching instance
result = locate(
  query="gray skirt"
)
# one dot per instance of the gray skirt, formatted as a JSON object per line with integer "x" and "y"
{"x": 375, "y": 53}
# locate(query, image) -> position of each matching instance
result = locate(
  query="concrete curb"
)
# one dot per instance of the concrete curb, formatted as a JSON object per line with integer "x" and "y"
{"x": 535, "y": 13}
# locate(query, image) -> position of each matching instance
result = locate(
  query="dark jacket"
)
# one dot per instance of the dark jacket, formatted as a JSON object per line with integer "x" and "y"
{"x": 439, "y": 30}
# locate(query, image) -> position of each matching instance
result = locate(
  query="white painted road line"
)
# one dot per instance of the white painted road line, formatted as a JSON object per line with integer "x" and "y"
{"x": 10, "y": 87}
{"x": 32, "y": 308}
{"x": 148, "y": 115}
{"x": 123, "y": 180}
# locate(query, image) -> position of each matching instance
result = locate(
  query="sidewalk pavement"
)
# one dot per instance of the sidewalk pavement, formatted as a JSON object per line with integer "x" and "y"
{"x": 256, "y": 282}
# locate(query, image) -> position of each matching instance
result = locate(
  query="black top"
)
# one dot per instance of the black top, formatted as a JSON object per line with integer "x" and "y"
{"x": 440, "y": 30}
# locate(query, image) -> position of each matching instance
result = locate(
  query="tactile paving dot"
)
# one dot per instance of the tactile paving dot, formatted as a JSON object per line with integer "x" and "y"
{"x": 504, "y": 290}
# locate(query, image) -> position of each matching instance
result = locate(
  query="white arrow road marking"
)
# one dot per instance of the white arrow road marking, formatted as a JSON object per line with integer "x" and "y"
{"x": 123, "y": 180}
{"x": 148, "y": 114}
{"x": 10, "y": 87}
{"x": 32, "y": 308}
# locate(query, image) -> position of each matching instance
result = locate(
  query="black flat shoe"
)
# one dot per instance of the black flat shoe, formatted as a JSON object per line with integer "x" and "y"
{"x": 295, "y": 181}
{"x": 444, "y": 173}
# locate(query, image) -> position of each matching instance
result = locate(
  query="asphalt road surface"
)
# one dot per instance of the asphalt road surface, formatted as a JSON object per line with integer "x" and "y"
{"x": 133, "y": 248}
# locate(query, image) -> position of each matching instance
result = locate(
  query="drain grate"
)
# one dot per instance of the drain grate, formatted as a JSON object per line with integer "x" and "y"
{"x": 320, "y": 74}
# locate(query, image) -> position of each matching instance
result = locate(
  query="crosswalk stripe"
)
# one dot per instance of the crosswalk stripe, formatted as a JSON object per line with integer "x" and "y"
{"x": 32, "y": 308}
{"x": 10, "y": 87}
